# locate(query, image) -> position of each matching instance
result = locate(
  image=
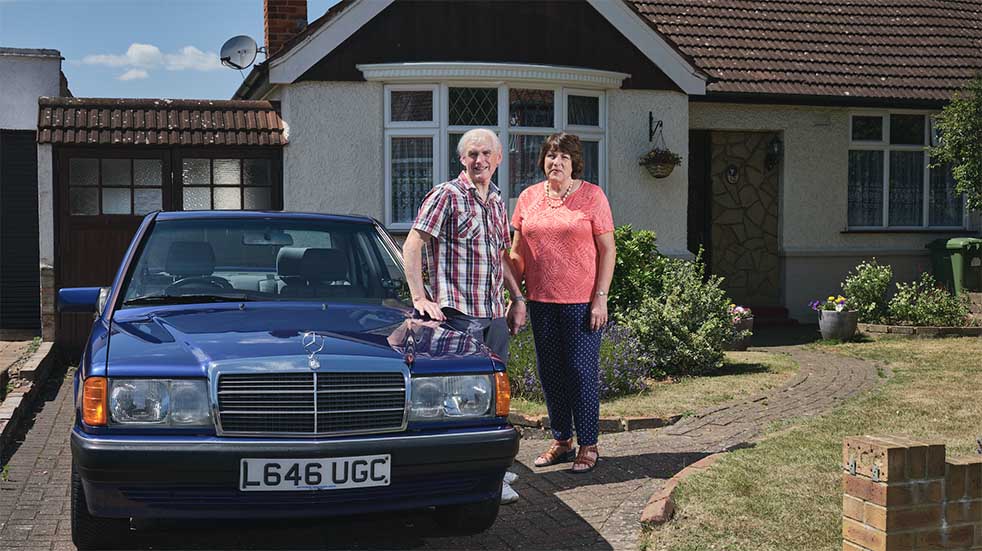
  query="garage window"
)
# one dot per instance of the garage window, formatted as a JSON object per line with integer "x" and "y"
{"x": 227, "y": 184}
{"x": 114, "y": 186}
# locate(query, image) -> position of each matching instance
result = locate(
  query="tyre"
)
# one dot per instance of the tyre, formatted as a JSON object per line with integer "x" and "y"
{"x": 89, "y": 532}
{"x": 470, "y": 518}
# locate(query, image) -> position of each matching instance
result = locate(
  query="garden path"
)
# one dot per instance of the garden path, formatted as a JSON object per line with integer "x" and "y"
{"x": 558, "y": 510}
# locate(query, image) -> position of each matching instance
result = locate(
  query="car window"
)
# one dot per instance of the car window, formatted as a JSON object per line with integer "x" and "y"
{"x": 265, "y": 259}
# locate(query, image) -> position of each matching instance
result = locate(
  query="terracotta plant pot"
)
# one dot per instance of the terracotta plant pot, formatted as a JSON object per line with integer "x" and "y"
{"x": 838, "y": 325}
{"x": 741, "y": 343}
{"x": 660, "y": 170}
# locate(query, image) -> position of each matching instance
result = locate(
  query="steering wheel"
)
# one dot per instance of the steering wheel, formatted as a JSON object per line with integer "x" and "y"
{"x": 204, "y": 281}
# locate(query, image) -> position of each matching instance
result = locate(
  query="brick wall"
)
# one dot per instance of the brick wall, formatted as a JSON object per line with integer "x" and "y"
{"x": 901, "y": 494}
{"x": 48, "y": 314}
{"x": 283, "y": 19}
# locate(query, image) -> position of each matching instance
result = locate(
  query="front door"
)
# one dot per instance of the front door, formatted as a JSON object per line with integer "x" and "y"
{"x": 744, "y": 172}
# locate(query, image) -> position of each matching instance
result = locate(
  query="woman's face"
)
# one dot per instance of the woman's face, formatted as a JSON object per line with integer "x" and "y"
{"x": 558, "y": 166}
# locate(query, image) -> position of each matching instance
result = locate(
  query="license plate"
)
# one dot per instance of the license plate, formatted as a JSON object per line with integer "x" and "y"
{"x": 334, "y": 473}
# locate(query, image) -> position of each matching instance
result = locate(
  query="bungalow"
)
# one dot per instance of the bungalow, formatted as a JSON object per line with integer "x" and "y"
{"x": 802, "y": 124}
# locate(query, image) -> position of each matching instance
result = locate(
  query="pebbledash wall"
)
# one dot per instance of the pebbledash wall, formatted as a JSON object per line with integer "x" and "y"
{"x": 816, "y": 253}
{"x": 333, "y": 162}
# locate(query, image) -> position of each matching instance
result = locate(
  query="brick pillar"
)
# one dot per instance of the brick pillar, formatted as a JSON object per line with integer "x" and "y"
{"x": 900, "y": 494}
{"x": 49, "y": 316}
{"x": 283, "y": 19}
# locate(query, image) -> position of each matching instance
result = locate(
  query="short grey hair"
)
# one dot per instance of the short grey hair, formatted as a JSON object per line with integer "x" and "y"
{"x": 481, "y": 135}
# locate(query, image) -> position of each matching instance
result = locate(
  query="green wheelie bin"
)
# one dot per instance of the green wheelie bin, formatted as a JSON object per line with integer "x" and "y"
{"x": 957, "y": 263}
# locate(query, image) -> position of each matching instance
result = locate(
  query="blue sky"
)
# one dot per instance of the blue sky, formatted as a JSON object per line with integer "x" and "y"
{"x": 139, "y": 48}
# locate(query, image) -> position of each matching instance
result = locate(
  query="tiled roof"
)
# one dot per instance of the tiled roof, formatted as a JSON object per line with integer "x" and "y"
{"x": 98, "y": 121}
{"x": 915, "y": 50}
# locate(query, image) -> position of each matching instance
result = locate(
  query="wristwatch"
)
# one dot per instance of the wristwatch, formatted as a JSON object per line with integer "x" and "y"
{"x": 518, "y": 298}
{"x": 601, "y": 293}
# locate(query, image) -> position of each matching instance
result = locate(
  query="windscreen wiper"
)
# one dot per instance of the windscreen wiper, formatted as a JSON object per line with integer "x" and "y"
{"x": 188, "y": 299}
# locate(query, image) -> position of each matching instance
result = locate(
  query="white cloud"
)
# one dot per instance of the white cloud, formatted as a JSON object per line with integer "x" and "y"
{"x": 139, "y": 58}
{"x": 133, "y": 74}
{"x": 192, "y": 58}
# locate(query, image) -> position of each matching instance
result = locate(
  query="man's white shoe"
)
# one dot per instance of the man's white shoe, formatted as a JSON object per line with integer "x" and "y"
{"x": 510, "y": 477}
{"x": 508, "y": 495}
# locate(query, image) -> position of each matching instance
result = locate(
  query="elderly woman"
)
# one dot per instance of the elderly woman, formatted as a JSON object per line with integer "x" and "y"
{"x": 564, "y": 245}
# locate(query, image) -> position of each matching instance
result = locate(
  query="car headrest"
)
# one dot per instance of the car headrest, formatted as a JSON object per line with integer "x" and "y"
{"x": 288, "y": 261}
{"x": 190, "y": 258}
{"x": 324, "y": 265}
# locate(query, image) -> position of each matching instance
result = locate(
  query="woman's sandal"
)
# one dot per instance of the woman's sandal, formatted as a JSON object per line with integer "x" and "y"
{"x": 586, "y": 459}
{"x": 561, "y": 451}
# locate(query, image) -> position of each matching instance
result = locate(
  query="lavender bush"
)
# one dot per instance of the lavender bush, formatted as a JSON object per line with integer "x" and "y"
{"x": 620, "y": 372}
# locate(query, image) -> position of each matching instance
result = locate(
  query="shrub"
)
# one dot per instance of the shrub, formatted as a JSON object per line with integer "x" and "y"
{"x": 637, "y": 271}
{"x": 682, "y": 330}
{"x": 620, "y": 373}
{"x": 924, "y": 302}
{"x": 867, "y": 290}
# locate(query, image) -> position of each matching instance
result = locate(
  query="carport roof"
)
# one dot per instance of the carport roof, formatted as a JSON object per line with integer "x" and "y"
{"x": 115, "y": 121}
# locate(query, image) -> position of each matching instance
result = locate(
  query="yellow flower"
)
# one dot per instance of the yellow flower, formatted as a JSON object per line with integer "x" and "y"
{"x": 831, "y": 297}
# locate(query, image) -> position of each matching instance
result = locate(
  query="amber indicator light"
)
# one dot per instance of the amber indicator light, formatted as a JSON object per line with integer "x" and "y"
{"x": 502, "y": 389}
{"x": 94, "y": 401}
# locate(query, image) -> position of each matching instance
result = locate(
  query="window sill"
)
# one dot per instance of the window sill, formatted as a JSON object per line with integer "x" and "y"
{"x": 950, "y": 231}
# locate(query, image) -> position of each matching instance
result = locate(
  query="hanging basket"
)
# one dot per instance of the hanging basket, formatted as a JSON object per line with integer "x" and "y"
{"x": 660, "y": 170}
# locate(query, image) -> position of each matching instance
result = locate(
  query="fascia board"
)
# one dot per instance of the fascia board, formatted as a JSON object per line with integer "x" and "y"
{"x": 299, "y": 59}
{"x": 676, "y": 67}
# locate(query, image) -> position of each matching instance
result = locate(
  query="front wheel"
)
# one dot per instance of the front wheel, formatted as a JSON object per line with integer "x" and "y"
{"x": 89, "y": 532}
{"x": 470, "y": 518}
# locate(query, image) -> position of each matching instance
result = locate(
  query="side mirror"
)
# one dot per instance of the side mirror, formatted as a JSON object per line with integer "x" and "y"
{"x": 82, "y": 299}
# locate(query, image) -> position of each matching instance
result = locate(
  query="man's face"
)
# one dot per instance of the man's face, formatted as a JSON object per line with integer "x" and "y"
{"x": 480, "y": 160}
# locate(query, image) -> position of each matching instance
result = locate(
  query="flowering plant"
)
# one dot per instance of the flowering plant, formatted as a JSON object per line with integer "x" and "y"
{"x": 740, "y": 313}
{"x": 660, "y": 156}
{"x": 837, "y": 304}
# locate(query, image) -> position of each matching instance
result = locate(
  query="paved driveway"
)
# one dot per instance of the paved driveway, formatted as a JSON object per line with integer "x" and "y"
{"x": 558, "y": 510}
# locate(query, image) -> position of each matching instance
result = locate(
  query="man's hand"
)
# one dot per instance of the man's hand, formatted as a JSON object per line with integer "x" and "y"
{"x": 429, "y": 308}
{"x": 598, "y": 312}
{"x": 516, "y": 316}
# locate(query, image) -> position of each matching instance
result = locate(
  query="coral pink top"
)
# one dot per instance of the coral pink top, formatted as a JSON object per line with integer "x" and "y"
{"x": 558, "y": 243}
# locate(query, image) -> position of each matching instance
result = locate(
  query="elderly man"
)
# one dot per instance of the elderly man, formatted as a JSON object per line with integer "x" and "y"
{"x": 464, "y": 225}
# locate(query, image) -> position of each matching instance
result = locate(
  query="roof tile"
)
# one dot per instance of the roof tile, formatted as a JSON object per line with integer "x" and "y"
{"x": 157, "y": 122}
{"x": 886, "y": 49}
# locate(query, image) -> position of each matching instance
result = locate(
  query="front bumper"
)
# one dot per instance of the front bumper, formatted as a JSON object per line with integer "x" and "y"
{"x": 197, "y": 477}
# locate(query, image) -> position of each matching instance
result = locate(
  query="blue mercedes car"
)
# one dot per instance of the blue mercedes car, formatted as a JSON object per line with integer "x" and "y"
{"x": 267, "y": 364}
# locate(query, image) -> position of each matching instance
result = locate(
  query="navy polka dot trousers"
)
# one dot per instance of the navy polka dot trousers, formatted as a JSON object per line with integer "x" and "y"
{"x": 567, "y": 352}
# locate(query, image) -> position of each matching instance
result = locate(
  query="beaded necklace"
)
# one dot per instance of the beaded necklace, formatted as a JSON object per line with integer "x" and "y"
{"x": 562, "y": 199}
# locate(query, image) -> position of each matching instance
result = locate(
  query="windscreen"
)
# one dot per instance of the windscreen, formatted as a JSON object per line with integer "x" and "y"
{"x": 265, "y": 259}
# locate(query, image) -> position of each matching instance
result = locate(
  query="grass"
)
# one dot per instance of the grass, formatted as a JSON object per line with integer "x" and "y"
{"x": 744, "y": 374}
{"x": 785, "y": 494}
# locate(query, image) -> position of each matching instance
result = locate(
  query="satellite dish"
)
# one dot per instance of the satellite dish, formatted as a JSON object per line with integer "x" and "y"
{"x": 239, "y": 52}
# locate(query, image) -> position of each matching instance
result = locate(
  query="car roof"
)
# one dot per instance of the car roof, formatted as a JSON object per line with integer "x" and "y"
{"x": 251, "y": 214}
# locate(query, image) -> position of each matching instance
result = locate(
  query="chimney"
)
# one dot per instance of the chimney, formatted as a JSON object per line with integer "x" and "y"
{"x": 284, "y": 19}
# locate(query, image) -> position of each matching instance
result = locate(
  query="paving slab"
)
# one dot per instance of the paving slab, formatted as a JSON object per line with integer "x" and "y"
{"x": 558, "y": 510}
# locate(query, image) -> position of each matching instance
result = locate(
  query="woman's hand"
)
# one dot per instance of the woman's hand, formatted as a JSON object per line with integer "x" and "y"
{"x": 598, "y": 312}
{"x": 516, "y": 316}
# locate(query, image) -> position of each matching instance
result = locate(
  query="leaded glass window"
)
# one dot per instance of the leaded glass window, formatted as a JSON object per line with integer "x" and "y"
{"x": 412, "y": 105}
{"x": 473, "y": 106}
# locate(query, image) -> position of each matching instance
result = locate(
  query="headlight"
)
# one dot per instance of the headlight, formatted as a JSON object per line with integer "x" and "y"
{"x": 175, "y": 403}
{"x": 453, "y": 397}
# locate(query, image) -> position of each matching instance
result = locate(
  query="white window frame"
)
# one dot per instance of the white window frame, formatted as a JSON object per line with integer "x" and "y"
{"x": 434, "y": 116}
{"x": 440, "y": 129}
{"x": 886, "y": 147}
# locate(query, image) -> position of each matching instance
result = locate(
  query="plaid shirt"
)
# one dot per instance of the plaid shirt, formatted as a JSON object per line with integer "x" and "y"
{"x": 463, "y": 260}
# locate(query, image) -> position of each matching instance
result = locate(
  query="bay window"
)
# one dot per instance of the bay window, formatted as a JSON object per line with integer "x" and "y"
{"x": 424, "y": 122}
{"x": 891, "y": 183}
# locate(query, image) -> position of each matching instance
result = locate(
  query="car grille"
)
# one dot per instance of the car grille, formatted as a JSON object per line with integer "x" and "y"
{"x": 311, "y": 404}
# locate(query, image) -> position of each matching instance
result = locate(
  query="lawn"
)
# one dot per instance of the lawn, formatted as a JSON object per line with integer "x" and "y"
{"x": 744, "y": 374}
{"x": 785, "y": 494}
